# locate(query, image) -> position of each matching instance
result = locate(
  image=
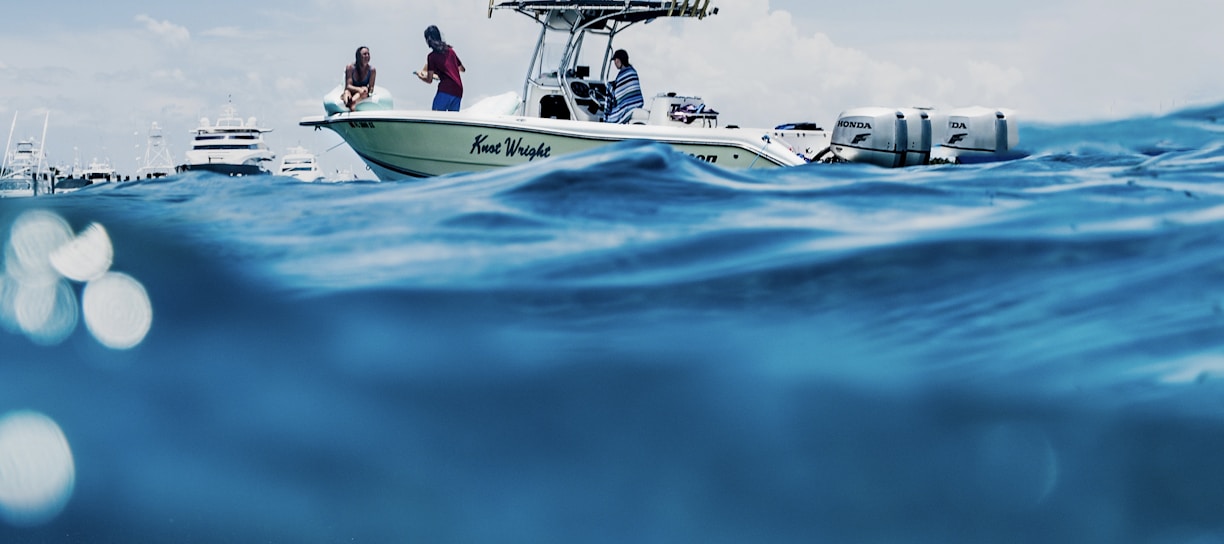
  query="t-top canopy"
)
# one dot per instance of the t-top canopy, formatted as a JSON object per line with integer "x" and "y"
{"x": 626, "y": 11}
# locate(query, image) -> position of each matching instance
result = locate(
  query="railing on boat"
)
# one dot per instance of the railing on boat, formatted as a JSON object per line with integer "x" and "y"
{"x": 629, "y": 9}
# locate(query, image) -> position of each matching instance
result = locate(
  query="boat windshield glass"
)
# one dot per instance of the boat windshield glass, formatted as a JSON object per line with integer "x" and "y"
{"x": 585, "y": 61}
{"x": 550, "y": 54}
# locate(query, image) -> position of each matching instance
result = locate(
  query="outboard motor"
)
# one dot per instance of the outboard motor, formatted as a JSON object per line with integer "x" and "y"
{"x": 976, "y": 134}
{"x": 882, "y": 136}
{"x": 918, "y": 128}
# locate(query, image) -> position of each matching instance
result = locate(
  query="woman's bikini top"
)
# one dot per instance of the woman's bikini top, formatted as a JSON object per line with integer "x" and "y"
{"x": 363, "y": 83}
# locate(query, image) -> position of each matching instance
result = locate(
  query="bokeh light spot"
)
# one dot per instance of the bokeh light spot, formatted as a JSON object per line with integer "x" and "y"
{"x": 117, "y": 310}
{"x": 40, "y": 255}
{"x": 35, "y": 235}
{"x": 85, "y": 257}
{"x": 37, "y": 473}
{"x": 46, "y": 313}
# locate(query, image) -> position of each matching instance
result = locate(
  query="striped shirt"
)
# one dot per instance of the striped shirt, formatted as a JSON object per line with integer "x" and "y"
{"x": 627, "y": 95}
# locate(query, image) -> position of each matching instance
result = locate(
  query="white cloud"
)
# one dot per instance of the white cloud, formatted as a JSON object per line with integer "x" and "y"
{"x": 173, "y": 34}
{"x": 291, "y": 85}
{"x": 991, "y": 83}
{"x": 175, "y": 75}
{"x": 223, "y": 32}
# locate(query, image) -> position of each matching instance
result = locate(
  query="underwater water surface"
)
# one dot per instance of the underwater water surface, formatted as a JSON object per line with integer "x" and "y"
{"x": 629, "y": 345}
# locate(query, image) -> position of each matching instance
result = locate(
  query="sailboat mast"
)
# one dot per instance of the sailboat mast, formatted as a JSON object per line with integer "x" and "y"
{"x": 9, "y": 143}
{"x": 42, "y": 143}
{"x": 42, "y": 153}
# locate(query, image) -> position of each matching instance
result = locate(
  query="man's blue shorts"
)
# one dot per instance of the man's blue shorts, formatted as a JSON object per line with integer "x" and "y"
{"x": 445, "y": 102}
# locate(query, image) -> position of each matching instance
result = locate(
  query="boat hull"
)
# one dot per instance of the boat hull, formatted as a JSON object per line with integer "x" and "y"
{"x": 15, "y": 188}
{"x": 402, "y": 144}
{"x": 227, "y": 169}
{"x": 69, "y": 185}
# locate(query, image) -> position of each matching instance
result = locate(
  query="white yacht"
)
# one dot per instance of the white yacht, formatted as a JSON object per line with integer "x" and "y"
{"x": 230, "y": 146}
{"x": 24, "y": 170}
{"x": 301, "y": 164}
{"x": 99, "y": 171}
{"x": 157, "y": 161}
{"x": 563, "y": 101}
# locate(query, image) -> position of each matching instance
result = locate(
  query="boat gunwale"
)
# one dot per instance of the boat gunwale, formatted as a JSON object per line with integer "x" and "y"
{"x": 609, "y": 133}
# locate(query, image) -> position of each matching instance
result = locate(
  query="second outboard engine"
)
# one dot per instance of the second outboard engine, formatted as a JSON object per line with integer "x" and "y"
{"x": 918, "y": 128}
{"x": 976, "y": 134}
{"x": 883, "y": 136}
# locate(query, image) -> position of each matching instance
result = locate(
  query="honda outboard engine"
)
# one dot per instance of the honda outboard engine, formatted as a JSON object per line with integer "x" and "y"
{"x": 918, "y": 128}
{"x": 883, "y": 136}
{"x": 976, "y": 134}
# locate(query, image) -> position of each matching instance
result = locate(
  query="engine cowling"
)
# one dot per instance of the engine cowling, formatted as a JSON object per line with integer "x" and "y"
{"x": 886, "y": 137}
{"x": 976, "y": 134}
{"x": 918, "y": 130}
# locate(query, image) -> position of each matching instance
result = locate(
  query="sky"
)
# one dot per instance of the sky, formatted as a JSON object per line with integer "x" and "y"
{"x": 100, "y": 73}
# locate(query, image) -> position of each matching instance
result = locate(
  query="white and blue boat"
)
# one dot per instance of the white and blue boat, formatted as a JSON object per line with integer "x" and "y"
{"x": 563, "y": 101}
{"x": 229, "y": 146}
{"x": 558, "y": 111}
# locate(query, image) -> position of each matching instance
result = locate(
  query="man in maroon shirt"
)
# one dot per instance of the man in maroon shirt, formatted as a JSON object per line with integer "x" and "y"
{"x": 444, "y": 65}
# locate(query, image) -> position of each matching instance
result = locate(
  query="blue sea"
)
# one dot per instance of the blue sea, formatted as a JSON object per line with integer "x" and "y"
{"x": 631, "y": 346}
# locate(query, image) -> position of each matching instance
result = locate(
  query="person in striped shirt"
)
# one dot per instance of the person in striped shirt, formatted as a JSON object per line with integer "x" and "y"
{"x": 626, "y": 92}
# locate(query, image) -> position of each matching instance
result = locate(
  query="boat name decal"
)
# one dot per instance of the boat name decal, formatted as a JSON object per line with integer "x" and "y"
{"x": 705, "y": 158}
{"x": 510, "y": 147}
{"x": 854, "y": 124}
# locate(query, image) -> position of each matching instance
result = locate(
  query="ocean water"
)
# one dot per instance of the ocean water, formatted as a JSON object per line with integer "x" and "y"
{"x": 629, "y": 345}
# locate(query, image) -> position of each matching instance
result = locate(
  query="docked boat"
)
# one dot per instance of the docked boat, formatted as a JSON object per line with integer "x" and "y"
{"x": 157, "y": 161}
{"x": 562, "y": 103}
{"x": 229, "y": 146}
{"x": 99, "y": 171}
{"x": 21, "y": 173}
{"x": 24, "y": 170}
{"x": 301, "y": 164}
